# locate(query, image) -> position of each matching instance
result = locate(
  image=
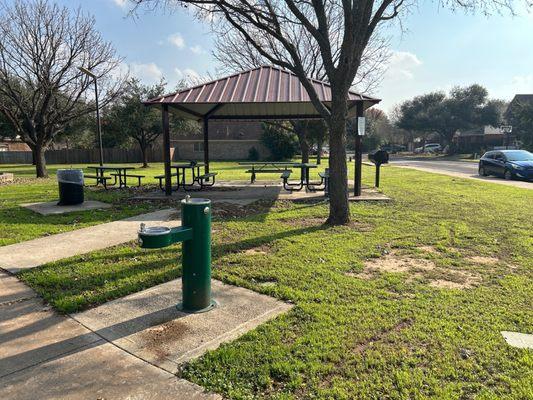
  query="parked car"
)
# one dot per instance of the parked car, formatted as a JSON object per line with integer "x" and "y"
{"x": 509, "y": 164}
{"x": 429, "y": 148}
{"x": 393, "y": 148}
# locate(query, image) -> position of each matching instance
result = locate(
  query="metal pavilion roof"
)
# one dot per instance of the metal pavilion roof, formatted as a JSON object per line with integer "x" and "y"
{"x": 263, "y": 92}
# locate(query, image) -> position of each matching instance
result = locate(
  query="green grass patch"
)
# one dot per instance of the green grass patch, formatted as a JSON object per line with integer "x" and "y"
{"x": 354, "y": 333}
{"x": 21, "y": 224}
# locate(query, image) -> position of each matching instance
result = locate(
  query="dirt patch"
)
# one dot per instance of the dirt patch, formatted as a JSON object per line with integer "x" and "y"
{"x": 483, "y": 260}
{"x": 417, "y": 268}
{"x": 159, "y": 339}
{"x": 393, "y": 262}
{"x": 260, "y": 250}
{"x": 231, "y": 210}
{"x": 428, "y": 249}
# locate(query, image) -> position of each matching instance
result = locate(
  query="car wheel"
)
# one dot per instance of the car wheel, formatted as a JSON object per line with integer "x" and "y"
{"x": 508, "y": 175}
{"x": 482, "y": 171}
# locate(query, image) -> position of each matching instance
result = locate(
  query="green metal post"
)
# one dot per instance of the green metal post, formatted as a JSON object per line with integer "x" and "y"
{"x": 196, "y": 274}
{"x": 195, "y": 233}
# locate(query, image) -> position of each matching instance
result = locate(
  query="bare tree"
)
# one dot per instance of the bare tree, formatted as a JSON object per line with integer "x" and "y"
{"x": 234, "y": 54}
{"x": 41, "y": 88}
{"x": 340, "y": 29}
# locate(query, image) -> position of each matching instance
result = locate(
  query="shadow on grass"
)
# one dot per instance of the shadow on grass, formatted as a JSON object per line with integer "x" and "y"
{"x": 67, "y": 280}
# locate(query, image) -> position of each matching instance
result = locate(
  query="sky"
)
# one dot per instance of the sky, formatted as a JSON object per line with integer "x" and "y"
{"x": 436, "y": 49}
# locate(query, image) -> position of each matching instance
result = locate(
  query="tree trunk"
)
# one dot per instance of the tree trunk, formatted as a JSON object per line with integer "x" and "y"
{"x": 40, "y": 161}
{"x": 144, "y": 154}
{"x": 300, "y": 128}
{"x": 304, "y": 147}
{"x": 339, "y": 213}
{"x": 319, "y": 146}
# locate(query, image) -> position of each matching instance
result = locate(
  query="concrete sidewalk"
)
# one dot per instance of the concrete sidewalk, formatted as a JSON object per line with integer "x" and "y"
{"x": 44, "y": 356}
{"x": 30, "y": 254}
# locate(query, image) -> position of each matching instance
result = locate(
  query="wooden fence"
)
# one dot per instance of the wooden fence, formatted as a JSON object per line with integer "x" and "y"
{"x": 83, "y": 156}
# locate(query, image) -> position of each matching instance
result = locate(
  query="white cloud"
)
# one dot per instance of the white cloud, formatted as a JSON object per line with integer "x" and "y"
{"x": 189, "y": 74}
{"x": 401, "y": 66}
{"x": 147, "y": 73}
{"x": 197, "y": 49}
{"x": 121, "y": 3}
{"x": 177, "y": 40}
{"x": 403, "y": 79}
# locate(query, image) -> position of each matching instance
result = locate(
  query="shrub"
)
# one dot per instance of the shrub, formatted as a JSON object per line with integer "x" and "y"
{"x": 281, "y": 143}
{"x": 253, "y": 154}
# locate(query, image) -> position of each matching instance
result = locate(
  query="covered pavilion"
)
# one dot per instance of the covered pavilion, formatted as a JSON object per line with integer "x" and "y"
{"x": 263, "y": 93}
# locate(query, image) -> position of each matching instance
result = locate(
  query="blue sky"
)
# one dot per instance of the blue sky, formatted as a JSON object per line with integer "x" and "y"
{"x": 438, "y": 50}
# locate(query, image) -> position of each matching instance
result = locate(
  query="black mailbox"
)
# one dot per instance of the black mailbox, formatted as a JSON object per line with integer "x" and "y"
{"x": 378, "y": 157}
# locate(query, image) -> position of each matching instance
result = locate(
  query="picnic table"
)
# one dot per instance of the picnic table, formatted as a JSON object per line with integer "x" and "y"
{"x": 286, "y": 167}
{"x": 258, "y": 167}
{"x": 181, "y": 168}
{"x": 120, "y": 172}
{"x": 181, "y": 176}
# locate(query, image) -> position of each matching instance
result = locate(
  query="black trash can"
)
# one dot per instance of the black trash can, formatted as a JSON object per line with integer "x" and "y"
{"x": 70, "y": 186}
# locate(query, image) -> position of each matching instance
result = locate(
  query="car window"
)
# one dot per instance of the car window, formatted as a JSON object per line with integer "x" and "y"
{"x": 519, "y": 155}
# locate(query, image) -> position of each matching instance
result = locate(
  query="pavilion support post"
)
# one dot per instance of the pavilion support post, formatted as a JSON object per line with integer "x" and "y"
{"x": 206, "y": 143}
{"x": 166, "y": 151}
{"x": 358, "y": 153}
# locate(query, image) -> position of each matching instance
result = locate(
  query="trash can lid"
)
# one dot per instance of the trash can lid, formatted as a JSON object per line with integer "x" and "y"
{"x": 70, "y": 176}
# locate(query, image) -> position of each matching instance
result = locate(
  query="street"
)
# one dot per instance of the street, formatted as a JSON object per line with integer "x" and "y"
{"x": 461, "y": 169}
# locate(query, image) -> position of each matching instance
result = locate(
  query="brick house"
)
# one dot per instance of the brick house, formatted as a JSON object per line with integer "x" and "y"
{"x": 228, "y": 140}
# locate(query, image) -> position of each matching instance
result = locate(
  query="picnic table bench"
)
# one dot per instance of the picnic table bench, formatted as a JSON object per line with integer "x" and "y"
{"x": 197, "y": 177}
{"x": 265, "y": 167}
{"x": 120, "y": 173}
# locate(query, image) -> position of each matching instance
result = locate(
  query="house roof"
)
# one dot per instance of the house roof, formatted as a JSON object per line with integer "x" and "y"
{"x": 266, "y": 91}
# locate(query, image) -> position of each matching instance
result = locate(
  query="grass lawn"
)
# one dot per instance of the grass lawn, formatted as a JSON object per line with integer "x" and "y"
{"x": 455, "y": 268}
{"x": 22, "y": 224}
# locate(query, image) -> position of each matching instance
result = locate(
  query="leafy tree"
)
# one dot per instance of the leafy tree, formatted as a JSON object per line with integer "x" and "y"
{"x": 281, "y": 142}
{"x": 41, "y": 89}
{"x": 463, "y": 109}
{"x": 129, "y": 117}
{"x": 520, "y": 116}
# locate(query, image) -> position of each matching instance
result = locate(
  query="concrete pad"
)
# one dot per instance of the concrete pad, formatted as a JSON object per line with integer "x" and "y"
{"x": 31, "y": 333}
{"x": 246, "y": 193}
{"x": 12, "y": 290}
{"x": 31, "y": 254}
{"x": 51, "y": 207}
{"x": 517, "y": 339}
{"x": 99, "y": 371}
{"x": 148, "y": 325}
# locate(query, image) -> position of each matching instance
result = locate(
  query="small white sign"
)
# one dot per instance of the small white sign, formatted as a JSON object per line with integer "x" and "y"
{"x": 361, "y": 126}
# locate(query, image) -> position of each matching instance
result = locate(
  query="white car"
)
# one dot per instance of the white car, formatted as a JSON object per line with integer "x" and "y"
{"x": 429, "y": 148}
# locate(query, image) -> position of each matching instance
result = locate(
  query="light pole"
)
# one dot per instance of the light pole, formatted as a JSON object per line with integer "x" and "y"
{"x": 98, "y": 124}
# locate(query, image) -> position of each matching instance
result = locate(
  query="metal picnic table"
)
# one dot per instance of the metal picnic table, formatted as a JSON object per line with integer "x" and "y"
{"x": 121, "y": 173}
{"x": 285, "y": 167}
{"x": 257, "y": 167}
{"x": 180, "y": 170}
